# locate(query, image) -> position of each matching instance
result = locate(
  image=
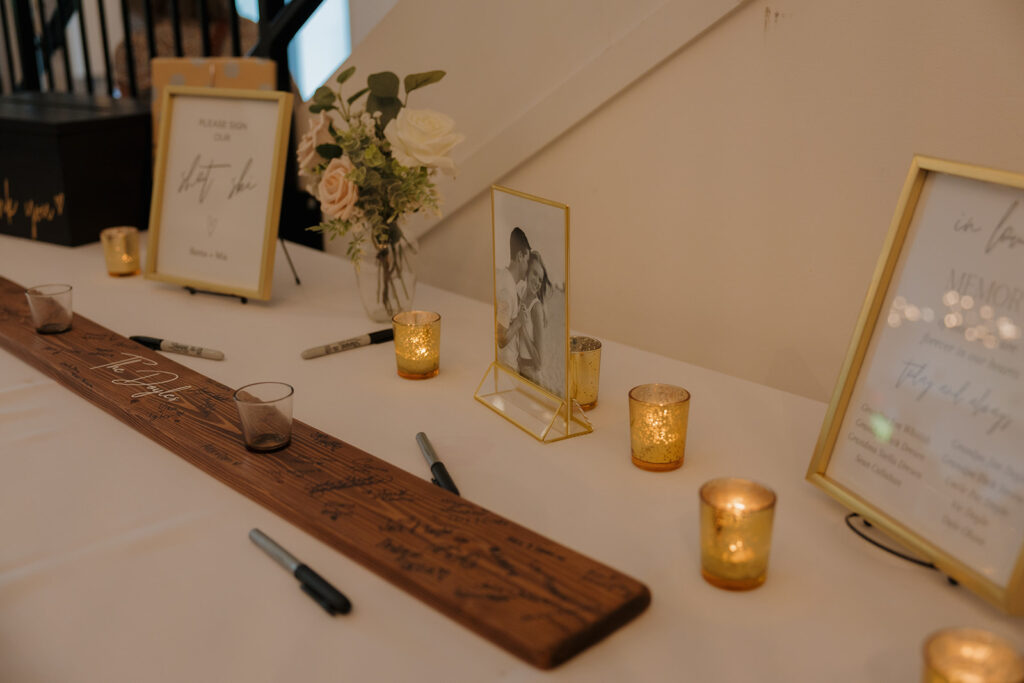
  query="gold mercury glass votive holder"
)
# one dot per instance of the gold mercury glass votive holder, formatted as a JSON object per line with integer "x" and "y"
{"x": 657, "y": 426}
{"x": 417, "y": 343}
{"x": 121, "y": 250}
{"x": 736, "y": 518}
{"x": 584, "y": 370}
{"x": 970, "y": 655}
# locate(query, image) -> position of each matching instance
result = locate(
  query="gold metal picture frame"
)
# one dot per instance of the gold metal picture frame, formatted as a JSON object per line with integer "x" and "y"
{"x": 217, "y": 189}
{"x": 528, "y": 382}
{"x": 923, "y": 434}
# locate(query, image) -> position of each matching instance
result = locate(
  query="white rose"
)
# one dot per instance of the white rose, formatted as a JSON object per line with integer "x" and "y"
{"x": 318, "y": 134}
{"x": 337, "y": 194}
{"x": 420, "y": 137}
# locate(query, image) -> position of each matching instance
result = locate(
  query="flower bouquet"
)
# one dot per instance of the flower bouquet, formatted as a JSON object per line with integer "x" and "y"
{"x": 370, "y": 166}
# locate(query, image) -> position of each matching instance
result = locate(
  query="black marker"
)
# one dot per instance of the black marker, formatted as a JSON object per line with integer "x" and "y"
{"x": 354, "y": 343}
{"x": 313, "y": 585}
{"x": 437, "y": 468}
{"x": 175, "y": 347}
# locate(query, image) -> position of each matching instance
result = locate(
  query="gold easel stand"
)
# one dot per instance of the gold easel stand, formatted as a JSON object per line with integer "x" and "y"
{"x": 545, "y": 416}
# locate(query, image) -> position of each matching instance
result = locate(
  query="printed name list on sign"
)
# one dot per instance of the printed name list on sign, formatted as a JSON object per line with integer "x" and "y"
{"x": 935, "y": 425}
{"x": 219, "y": 166}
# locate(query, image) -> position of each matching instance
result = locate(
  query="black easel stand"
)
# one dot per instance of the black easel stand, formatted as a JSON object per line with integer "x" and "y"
{"x": 245, "y": 300}
{"x": 193, "y": 290}
{"x": 908, "y": 558}
{"x": 290, "y": 264}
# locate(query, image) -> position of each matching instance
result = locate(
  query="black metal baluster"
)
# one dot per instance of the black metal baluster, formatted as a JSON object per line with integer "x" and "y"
{"x": 45, "y": 46}
{"x": 147, "y": 11}
{"x": 85, "y": 46}
{"x": 108, "y": 71}
{"x": 271, "y": 44}
{"x": 267, "y": 10}
{"x": 61, "y": 13}
{"x": 236, "y": 38}
{"x": 7, "y": 45}
{"x": 204, "y": 27}
{"x": 278, "y": 25}
{"x": 126, "y": 20}
{"x": 176, "y": 25}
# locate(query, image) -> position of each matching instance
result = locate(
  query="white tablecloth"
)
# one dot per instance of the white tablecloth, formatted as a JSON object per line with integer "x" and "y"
{"x": 121, "y": 562}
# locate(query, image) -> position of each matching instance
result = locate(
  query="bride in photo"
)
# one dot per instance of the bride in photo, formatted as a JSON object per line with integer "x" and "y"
{"x": 534, "y": 323}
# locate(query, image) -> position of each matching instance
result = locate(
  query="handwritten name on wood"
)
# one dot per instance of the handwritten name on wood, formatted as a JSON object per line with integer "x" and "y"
{"x": 537, "y": 599}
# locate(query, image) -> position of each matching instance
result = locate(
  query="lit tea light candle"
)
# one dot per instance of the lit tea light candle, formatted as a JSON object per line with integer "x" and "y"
{"x": 736, "y": 518}
{"x": 968, "y": 655}
{"x": 121, "y": 250}
{"x": 658, "y": 415}
{"x": 417, "y": 343}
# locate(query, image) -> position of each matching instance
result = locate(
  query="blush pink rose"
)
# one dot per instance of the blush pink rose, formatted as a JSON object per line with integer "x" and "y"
{"x": 337, "y": 194}
{"x": 319, "y": 134}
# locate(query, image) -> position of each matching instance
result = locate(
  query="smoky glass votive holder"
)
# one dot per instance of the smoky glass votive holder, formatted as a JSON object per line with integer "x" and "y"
{"x": 50, "y": 307}
{"x": 265, "y": 409}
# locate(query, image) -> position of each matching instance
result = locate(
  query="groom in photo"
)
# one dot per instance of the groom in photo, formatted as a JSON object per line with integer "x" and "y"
{"x": 509, "y": 284}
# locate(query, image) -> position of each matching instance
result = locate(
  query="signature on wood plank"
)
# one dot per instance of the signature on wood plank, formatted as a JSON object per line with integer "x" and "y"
{"x": 412, "y": 560}
{"x": 151, "y": 382}
{"x": 535, "y": 547}
{"x": 220, "y": 454}
{"x": 335, "y": 510}
{"x": 350, "y": 482}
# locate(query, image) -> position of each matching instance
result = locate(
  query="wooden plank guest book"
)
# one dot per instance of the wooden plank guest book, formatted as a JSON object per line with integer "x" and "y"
{"x": 535, "y": 598}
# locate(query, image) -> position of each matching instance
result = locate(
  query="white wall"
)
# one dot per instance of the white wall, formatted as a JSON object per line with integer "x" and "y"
{"x": 728, "y": 208}
{"x": 729, "y": 205}
{"x": 523, "y": 73}
{"x": 364, "y": 15}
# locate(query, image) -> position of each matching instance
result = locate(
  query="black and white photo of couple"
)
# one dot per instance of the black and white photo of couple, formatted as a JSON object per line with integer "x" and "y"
{"x": 530, "y": 312}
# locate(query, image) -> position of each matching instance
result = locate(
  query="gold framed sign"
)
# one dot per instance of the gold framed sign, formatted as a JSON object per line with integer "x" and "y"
{"x": 217, "y": 189}
{"x": 528, "y": 382}
{"x": 924, "y": 435}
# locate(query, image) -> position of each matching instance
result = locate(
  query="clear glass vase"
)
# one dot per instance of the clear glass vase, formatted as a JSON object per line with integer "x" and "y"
{"x": 387, "y": 278}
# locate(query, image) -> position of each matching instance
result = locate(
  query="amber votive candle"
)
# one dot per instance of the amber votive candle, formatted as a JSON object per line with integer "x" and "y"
{"x": 121, "y": 250}
{"x": 736, "y": 518}
{"x": 584, "y": 370}
{"x": 970, "y": 655}
{"x": 657, "y": 425}
{"x": 417, "y": 343}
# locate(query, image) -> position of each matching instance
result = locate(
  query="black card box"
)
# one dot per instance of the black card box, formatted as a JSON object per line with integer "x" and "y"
{"x": 72, "y": 165}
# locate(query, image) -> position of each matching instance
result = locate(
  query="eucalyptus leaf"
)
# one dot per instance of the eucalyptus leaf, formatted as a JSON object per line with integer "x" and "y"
{"x": 317, "y": 108}
{"x": 346, "y": 74}
{"x": 329, "y": 151}
{"x": 324, "y": 95}
{"x": 387, "y": 106}
{"x": 359, "y": 94}
{"x": 383, "y": 84}
{"x": 416, "y": 81}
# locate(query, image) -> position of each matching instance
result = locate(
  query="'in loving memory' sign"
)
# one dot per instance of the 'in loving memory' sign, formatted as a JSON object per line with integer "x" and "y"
{"x": 925, "y": 434}
{"x": 217, "y": 191}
